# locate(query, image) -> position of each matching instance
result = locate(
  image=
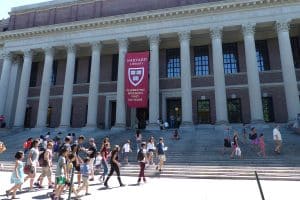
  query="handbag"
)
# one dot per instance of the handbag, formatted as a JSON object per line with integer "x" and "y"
{"x": 29, "y": 169}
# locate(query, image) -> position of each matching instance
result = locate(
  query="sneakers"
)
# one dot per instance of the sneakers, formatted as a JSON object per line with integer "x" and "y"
{"x": 86, "y": 194}
{"x": 91, "y": 179}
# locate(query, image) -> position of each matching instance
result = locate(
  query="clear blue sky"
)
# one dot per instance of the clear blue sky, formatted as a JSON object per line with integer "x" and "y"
{"x": 6, "y": 5}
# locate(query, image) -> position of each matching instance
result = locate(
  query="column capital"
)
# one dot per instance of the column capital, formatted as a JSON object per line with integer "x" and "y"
{"x": 6, "y": 55}
{"x": 71, "y": 48}
{"x": 216, "y": 32}
{"x": 123, "y": 43}
{"x": 49, "y": 50}
{"x": 184, "y": 36}
{"x": 282, "y": 25}
{"x": 16, "y": 59}
{"x": 154, "y": 39}
{"x": 248, "y": 29}
{"x": 96, "y": 45}
{"x": 28, "y": 53}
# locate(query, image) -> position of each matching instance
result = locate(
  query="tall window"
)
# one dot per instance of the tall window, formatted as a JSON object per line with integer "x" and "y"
{"x": 262, "y": 55}
{"x": 203, "y": 110}
{"x": 71, "y": 118}
{"x": 268, "y": 109}
{"x": 54, "y": 73}
{"x": 86, "y": 113}
{"x": 230, "y": 58}
{"x": 201, "y": 60}
{"x": 33, "y": 74}
{"x": 76, "y": 70}
{"x": 114, "y": 69}
{"x": 173, "y": 63}
{"x": 295, "y": 43}
{"x": 89, "y": 69}
{"x": 234, "y": 110}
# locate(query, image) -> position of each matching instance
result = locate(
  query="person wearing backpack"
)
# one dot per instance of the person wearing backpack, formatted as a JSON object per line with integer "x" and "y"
{"x": 45, "y": 162}
{"x": 141, "y": 158}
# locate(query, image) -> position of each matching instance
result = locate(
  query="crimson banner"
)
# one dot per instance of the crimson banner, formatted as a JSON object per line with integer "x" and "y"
{"x": 136, "y": 79}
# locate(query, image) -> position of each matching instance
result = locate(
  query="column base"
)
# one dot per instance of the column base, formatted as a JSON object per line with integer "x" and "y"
{"x": 153, "y": 127}
{"x": 187, "y": 126}
{"x": 118, "y": 127}
{"x": 63, "y": 128}
{"x": 18, "y": 128}
{"x": 39, "y": 129}
{"x": 221, "y": 125}
{"x": 89, "y": 128}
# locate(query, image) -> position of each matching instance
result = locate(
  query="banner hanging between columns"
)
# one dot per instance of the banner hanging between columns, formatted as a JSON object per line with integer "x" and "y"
{"x": 136, "y": 79}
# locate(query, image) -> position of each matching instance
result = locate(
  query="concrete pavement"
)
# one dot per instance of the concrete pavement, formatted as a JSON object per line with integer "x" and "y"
{"x": 166, "y": 188}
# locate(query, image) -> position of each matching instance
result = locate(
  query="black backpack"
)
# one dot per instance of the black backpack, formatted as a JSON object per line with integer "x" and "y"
{"x": 42, "y": 161}
{"x": 140, "y": 155}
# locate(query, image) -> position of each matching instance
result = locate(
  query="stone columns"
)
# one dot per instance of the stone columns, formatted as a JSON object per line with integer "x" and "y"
{"x": 154, "y": 83}
{"x": 45, "y": 88}
{"x": 219, "y": 78}
{"x": 23, "y": 90}
{"x": 68, "y": 87}
{"x": 121, "y": 111}
{"x": 4, "y": 81}
{"x": 94, "y": 86}
{"x": 256, "y": 108}
{"x": 288, "y": 70}
{"x": 186, "y": 85}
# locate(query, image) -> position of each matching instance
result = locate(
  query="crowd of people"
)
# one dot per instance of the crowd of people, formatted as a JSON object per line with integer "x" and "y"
{"x": 256, "y": 140}
{"x": 72, "y": 154}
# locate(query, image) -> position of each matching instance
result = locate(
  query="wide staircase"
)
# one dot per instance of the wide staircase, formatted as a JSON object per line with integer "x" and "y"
{"x": 198, "y": 154}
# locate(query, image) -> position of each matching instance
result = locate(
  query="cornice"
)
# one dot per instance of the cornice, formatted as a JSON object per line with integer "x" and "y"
{"x": 141, "y": 17}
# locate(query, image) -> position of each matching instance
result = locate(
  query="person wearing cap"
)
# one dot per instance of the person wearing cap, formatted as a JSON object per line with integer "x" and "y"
{"x": 142, "y": 162}
{"x": 114, "y": 166}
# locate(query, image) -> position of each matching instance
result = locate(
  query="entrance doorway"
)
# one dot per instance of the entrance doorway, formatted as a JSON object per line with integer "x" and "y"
{"x": 174, "y": 112}
{"x": 112, "y": 108}
{"x": 142, "y": 114}
{"x": 27, "y": 117}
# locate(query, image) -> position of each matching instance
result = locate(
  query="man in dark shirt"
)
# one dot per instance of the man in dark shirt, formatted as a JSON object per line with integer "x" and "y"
{"x": 91, "y": 152}
{"x": 114, "y": 166}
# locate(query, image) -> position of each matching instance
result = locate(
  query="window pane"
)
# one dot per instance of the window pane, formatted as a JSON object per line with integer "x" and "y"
{"x": 201, "y": 60}
{"x": 173, "y": 63}
{"x": 262, "y": 55}
{"x": 230, "y": 58}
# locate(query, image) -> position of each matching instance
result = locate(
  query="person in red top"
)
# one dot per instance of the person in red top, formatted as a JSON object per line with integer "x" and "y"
{"x": 104, "y": 153}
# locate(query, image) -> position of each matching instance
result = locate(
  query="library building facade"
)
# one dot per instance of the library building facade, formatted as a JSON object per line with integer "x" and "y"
{"x": 80, "y": 63}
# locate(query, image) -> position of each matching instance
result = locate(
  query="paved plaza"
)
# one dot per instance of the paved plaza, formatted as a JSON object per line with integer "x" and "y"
{"x": 165, "y": 188}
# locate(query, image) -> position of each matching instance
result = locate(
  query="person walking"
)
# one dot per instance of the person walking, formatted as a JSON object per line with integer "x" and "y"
{"x": 104, "y": 154}
{"x": 262, "y": 146}
{"x": 91, "y": 153}
{"x": 115, "y": 166}
{"x": 277, "y": 139}
{"x": 47, "y": 166}
{"x": 32, "y": 161}
{"x": 85, "y": 171}
{"x": 161, "y": 154}
{"x": 141, "y": 157}
{"x": 17, "y": 177}
{"x": 126, "y": 150}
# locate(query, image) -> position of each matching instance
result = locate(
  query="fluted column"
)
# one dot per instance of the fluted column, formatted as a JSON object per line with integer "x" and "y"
{"x": 94, "y": 86}
{"x": 45, "y": 88}
{"x": 121, "y": 111}
{"x": 68, "y": 87}
{"x": 219, "y": 78}
{"x": 256, "y": 108}
{"x": 186, "y": 85}
{"x": 23, "y": 90}
{"x": 288, "y": 70}
{"x": 154, "y": 83}
{"x": 4, "y": 81}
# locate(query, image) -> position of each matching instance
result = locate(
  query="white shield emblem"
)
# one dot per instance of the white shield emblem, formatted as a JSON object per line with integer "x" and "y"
{"x": 136, "y": 75}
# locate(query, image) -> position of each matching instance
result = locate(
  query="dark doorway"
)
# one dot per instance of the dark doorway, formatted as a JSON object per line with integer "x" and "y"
{"x": 142, "y": 114}
{"x": 203, "y": 110}
{"x": 174, "y": 112}
{"x": 234, "y": 110}
{"x": 112, "y": 108}
{"x": 27, "y": 117}
{"x": 49, "y": 113}
{"x": 268, "y": 109}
